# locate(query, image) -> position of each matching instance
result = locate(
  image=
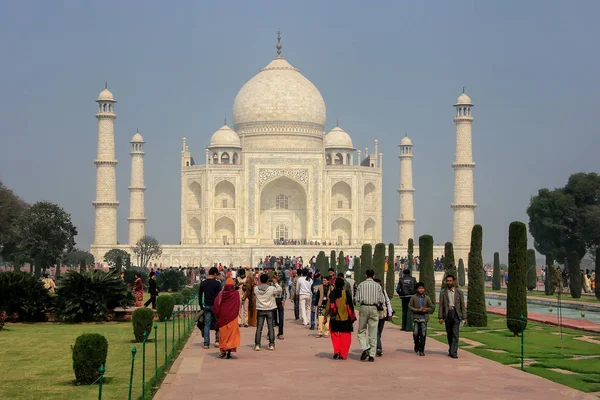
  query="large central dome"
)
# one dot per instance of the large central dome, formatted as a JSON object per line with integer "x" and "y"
{"x": 279, "y": 100}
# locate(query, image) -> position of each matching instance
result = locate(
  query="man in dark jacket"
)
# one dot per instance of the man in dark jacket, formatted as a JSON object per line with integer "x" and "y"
{"x": 153, "y": 290}
{"x": 421, "y": 306}
{"x": 406, "y": 288}
{"x": 209, "y": 289}
{"x": 452, "y": 310}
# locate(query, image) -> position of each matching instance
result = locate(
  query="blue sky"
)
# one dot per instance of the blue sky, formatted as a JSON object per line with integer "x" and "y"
{"x": 384, "y": 68}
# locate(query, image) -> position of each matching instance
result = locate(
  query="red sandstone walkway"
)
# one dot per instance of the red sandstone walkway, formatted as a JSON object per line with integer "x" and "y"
{"x": 302, "y": 368}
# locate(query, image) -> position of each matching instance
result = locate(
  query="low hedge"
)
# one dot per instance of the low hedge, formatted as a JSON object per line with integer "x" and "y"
{"x": 164, "y": 306}
{"x": 142, "y": 320}
{"x": 89, "y": 353}
{"x": 186, "y": 293}
{"x": 178, "y": 297}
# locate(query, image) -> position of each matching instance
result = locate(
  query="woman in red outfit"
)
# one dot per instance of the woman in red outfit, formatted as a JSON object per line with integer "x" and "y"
{"x": 340, "y": 310}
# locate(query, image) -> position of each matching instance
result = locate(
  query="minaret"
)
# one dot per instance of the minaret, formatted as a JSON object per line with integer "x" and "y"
{"x": 406, "y": 220}
{"x": 463, "y": 205}
{"x": 137, "y": 220}
{"x": 105, "y": 232}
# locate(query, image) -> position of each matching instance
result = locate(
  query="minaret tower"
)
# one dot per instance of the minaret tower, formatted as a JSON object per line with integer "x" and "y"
{"x": 406, "y": 220}
{"x": 105, "y": 232}
{"x": 137, "y": 220}
{"x": 463, "y": 205}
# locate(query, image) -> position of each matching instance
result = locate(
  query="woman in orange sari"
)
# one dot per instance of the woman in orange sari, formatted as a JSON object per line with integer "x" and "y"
{"x": 138, "y": 290}
{"x": 226, "y": 309}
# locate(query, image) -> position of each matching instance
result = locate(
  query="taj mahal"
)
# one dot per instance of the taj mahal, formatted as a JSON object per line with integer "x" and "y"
{"x": 275, "y": 182}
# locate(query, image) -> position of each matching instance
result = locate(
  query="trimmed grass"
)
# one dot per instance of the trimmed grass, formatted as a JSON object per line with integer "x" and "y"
{"x": 542, "y": 345}
{"x": 36, "y": 360}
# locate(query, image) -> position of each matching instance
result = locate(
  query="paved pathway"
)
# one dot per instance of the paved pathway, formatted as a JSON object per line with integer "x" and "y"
{"x": 302, "y": 368}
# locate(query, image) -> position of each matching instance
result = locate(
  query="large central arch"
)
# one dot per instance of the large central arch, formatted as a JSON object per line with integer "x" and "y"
{"x": 282, "y": 203}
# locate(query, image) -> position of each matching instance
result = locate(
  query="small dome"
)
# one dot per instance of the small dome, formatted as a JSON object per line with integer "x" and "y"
{"x": 463, "y": 99}
{"x": 225, "y": 137}
{"x": 137, "y": 138}
{"x": 106, "y": 95}
{"x": 406, "y": 141}
{"x": 338, "y": 138}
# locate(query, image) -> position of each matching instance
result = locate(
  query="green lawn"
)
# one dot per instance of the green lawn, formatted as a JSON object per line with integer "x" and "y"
{"x": 36, "y": 362}
{"x": 541, "y": 295}
{"x": 543, "y": 349}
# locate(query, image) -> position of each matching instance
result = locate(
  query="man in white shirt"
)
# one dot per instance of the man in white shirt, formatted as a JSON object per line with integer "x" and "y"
{"x": 304, "y": 292}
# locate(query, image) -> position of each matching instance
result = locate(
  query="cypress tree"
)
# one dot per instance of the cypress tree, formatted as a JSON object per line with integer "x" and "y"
{"x": 321, "y": 262}
{"x": 333, "y": 262}
{"x": 496, "y": 280}
{"x": 379, "y": 261}
{"x": 341, "y": 264}
{"x": 326, "y": 267}
{"x": 549, "y": 285}
{"x": 356, "y": 268}
{"x": 531, "y": 270}
{"x": 426, "y": 271}
{"x": 476, "y": 312}
{"x": 411, "y": 256}
{"x": 366, "y": 258}
{"x": 597, "y": 287}
{"x": 516, "y": 294}
{"x": 574, "y": 275}
{"x": 390, "y": 276}
{"x": 449, "y": 263}
{"x": 461, "y": 273}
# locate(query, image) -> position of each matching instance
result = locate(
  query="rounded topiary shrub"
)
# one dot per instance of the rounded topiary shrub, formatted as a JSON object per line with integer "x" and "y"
{"x": 142, "y": 320}
{"x": 89, "y": 353}
{"x": 186, "y": 293}
{"x": 178, "y": 297}
{"x": 164, "y": 307}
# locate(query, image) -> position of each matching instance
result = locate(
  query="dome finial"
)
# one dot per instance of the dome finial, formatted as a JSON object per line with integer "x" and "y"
{"x": 105, "y": 85}
{"x": 337, "y": 121}
{"x": 278, "y": 43}
{"x": 463, "y": 89}
{"x": 225, "y": 121}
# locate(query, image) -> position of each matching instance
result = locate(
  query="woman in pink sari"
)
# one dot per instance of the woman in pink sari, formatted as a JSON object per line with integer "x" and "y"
{"x": 138, "y": 290}
{"x": 226, "y": 309}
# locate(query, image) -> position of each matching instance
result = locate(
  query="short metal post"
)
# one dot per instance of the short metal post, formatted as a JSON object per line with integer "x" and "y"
{"x": 101, "y": 380}
{"x": 144, "y": 364}
{"x": 133, "y": 351}
{"x": 178, "y": 328}
{"x": 155, "y": 354}
{"x": 166, "y": 334}
{"x": 173, "y": 332}
{"x": 522, "y": 343}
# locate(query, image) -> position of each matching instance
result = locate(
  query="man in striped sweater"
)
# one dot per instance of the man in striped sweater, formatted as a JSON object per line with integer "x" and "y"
{"x": 371, "y": 298}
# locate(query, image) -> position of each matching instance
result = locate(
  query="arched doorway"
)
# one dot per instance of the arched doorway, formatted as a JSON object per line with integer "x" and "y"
{"x": 195, "y": 231}
{"x": 341, "y": 231}
{"x": 224, "y": 231}
{"x": 195, "y": 196}
{"x": 369, "y": 234}
{"x": 282, "y": 203}
{"x": 369, "y": 197}
{"x": 341, "y": 196}
{"x": 224, "y": 195}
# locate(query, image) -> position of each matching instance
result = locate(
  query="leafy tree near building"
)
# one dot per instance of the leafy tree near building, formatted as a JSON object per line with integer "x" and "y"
{"x": 575, "y": 279}
{"x": 531, "y": 270}
{"x": 496, "y": 280}
{"x": 516, "y": 294}
{"x": 79, "y": 258}
{"x": 426, "y": 270}
{"x": 12, "y": 206}
{"x": 145, "y": 249}
{"x": 390, "y": 284}
{"x": 411, "y": 255}
{"x": 476, "y": 311}
{"x": 43, "y": 233}
{"x": 116, "y": 258}
{"x": 461, "y": 272}
{"x": 379, "y": 261}
{"x": 366, "y": 260}
{"x": 449, "y": 262}
{"x": 549, "y": 282}
{"x": 333, "y": 261}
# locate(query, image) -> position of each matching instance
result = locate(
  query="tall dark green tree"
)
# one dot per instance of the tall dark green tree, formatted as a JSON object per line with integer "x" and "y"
{"x": 461, "y": 272}
{"x": 496, "y": 280}
{"x": 476, "y": 311}
{"x": 411, "y": 255}
{"x": 366, "y": 261}
{"x": 575, "y": 279}
{"x": 356, "y": 267}
{"x": 426, "y": 271}
{"x": 333, "y": 261}
{"x": 390, "y": 283}
{"x": 549, "y": 284}
{"x": 449, "y": 262}
{"x": 379, "y": 261}
{"x": 322, "y": 262}
{"x": 11, "y": 207}
{"x": 597, "y": 290}
{"x": 531, "y": 270}
{"x": 516, "y": 294}
{"x": 43, "y": 233}
{"x": 341, "y": 264}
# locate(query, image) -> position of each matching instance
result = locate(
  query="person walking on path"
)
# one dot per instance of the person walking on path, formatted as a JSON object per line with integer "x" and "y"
{"x": 406, "y": 288}
{"x": 451, "y": 312}
{"x": 279, "y": 313}
{"x": 371, "y": 298}
{"x": 340, "y": 311}
{"x": 243, "y": 294}
{"x": 350, "y": 284}
{"x": 322, "y": 297}
{"x": 295, "y": 297}
{"x": 138, "y": 290}
{"x": 303, "y": 290}
{"x": 152, "y": 290}
{"x": 385, "y": 314}
{"x": 265, "y": 306}
{"x": 316, "y": 285}
{"x": 421, "y": 306}
{"x": 209, "y": 290}
{"x": 226, "y": 309}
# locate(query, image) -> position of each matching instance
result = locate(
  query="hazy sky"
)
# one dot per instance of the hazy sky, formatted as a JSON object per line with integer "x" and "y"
{"x": 383, "y": 67}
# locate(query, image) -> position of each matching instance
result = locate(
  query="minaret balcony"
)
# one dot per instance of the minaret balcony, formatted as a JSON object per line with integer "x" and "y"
{"x": 456, "y": 205}
{"x": 463, "y": 165}
{"x": 105, "y": 203}
{"x": 406, "y": 190}
{"x": 109, "y": 162}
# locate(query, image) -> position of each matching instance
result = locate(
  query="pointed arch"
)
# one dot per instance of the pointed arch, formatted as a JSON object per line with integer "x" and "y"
{"x": 195, "y": 231}
{"x": 224, "y": 195}
{"x": 370, "y": 196}
{"x": 225, "y": 231}
{"x": 369, "y": 232}
{"x": 341, "y": 196}
{"x": 341, "y": 231}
